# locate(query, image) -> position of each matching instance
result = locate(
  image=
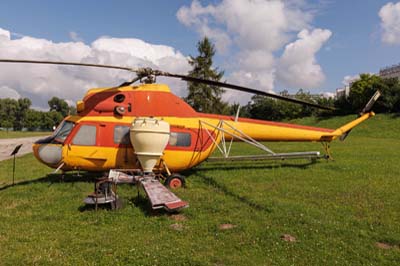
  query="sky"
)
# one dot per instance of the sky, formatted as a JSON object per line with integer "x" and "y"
{"x": 267, "y": 45}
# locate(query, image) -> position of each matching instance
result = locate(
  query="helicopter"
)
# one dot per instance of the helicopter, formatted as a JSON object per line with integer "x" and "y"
{"x": 97, "y": 137}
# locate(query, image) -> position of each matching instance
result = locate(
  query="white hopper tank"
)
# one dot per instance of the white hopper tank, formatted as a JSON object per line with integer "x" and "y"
{"x": 149, "y": 137}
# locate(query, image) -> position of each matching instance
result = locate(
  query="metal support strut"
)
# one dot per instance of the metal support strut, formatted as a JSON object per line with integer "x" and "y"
{"x": 327, "y": 149}
{"x": 235, "y": 133}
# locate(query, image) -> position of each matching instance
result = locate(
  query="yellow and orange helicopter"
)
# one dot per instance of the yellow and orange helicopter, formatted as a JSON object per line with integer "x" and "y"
{"x": 97, "y": 138}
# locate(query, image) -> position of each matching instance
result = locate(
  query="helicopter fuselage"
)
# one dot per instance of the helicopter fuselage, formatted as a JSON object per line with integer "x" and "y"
{"x": 97, "y": 138}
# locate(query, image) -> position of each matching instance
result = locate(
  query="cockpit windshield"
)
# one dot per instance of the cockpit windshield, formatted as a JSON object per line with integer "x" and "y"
{"x": 63, "y": 130}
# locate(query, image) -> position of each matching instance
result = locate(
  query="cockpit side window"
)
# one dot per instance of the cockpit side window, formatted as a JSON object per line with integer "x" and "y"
{"x": 86, "y": 136}
{"x": 180, "y": 139}
{"x": 63, "y": 131}
{"x": 121, "y": 135}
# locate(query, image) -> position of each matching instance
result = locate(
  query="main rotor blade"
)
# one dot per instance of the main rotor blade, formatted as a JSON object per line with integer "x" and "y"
{"x": 143, "y": 72}
{"x": 66, "y": 63}
{"x": 244, "y": 89}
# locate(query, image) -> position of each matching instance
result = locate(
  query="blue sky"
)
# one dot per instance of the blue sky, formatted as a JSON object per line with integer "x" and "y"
{"x": 355, "y": 46}
{"x": 152, "y": 21}
{"x": 326, "y": 39}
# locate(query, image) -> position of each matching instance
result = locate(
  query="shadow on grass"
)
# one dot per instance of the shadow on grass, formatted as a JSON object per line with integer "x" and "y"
{"x": 395, "y": 115}
{"x": 139, "y": 201}
{"x": 107, "y": 206}
{"x": 142, "y": 202}
{"x": 57, "y": 178}
{"x": 247, "y": 166}
{"x": 252, "y": 165}
{"x": 212, "y": 182}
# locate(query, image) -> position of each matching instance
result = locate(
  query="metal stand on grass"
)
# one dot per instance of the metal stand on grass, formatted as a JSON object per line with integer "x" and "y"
{"x": 14, "y": 153}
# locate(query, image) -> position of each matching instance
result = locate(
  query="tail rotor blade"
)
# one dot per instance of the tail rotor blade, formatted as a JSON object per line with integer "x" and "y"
{"x": 371, "y": 102}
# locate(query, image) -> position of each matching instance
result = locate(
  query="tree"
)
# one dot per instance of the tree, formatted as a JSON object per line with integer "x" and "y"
{"x": 33, "y": 119}
{"x": 391, "y": 95}
{"x": 6, "y": 124}
{"x": 23, "y": 106}
{"x": 50, "y": 119}
{"x": 72, "y": 110}
{"x": 8, "y": 109}
{"x": 13, "y": 112}
{"x": 363, "y": 89}
{"x": 263, "y": 108}
{"x": 271, "y": 109}
{"x": 59, "y": 105}
{"x": 202, "y": 97}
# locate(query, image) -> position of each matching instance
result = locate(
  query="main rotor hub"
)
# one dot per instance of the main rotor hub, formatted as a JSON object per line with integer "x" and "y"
{"x": 146, "y": 75}
{"x": 150, "y": 79}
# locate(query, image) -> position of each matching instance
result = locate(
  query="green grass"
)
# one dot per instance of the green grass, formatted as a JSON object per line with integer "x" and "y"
{"x": 337, "y": 211}
{"x": 21, "y": 134}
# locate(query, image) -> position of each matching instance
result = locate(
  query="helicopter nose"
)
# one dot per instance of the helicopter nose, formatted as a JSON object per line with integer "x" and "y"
{"x": 50, "y": 154}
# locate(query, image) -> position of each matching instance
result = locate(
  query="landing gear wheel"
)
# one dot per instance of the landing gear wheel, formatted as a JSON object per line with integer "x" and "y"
{"x": 175, "y": 181}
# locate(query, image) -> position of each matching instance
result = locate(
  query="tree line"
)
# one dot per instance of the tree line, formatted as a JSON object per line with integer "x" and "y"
{"x": 359, "y": 94}
{"x": 363, "y": 89}
{"x": 208, "y": 99}
{"x": 17, "y": 114}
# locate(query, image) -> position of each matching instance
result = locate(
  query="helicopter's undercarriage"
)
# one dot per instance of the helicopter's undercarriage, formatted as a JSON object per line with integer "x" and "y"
{"x": 105, "y": 191}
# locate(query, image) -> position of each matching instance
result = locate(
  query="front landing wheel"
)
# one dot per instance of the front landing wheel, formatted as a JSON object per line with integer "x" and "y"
{"x": 175, "y": 181}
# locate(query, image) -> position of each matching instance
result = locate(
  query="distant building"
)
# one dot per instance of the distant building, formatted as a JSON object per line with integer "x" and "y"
{"x": 390, "y": 72}
{"x": 345, "y": 91}
{"x": 386, "y": 72}
{"x": 342, "y": 92}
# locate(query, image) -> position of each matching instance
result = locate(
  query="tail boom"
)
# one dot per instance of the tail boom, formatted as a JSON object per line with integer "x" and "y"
{"x": 347, "y": 127}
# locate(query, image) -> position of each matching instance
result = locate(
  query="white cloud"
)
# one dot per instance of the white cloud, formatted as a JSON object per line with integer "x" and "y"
{"x": 41, "y": 82}
{"x": 328, "y": 95}
{"x": 7, "y": 92}
{"x": 256, "y": 32}
{"x": 75, "y": 36}
{"x": 198, "y": 16}
{"x": 390, "y": 23}
{"x": 297, "y": 66}
{"x": 255, "y": 24}
{"x": 349, "y": 79}
{"x": 4, "y": 34}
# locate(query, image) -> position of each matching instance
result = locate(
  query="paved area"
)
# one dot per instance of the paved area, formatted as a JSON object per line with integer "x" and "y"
{"x": 8, "y": 145}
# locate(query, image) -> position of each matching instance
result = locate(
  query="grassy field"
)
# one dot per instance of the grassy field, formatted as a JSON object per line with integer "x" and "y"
{"x": 341, "y": 212}
{"x": 21, "y": 134}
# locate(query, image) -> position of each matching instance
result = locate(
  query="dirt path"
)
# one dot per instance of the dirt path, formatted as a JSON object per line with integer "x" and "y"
{"x": 8, "y": 145}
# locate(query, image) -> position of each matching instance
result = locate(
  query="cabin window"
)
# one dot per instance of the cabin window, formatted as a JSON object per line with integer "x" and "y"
{"x": 180, "y": 139}
{"x": 86, "y": 136}
{"x": 121, "y": 135}
{"x": 63, "y": 131}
